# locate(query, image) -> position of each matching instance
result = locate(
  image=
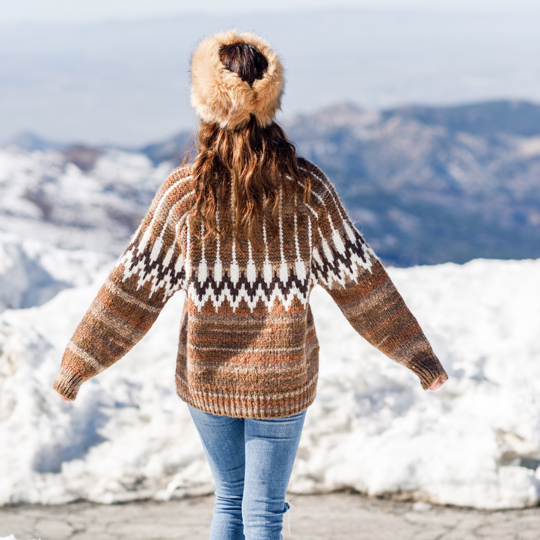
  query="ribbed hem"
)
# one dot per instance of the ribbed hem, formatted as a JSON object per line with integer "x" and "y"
{"x": 428, "y": 370}
{"x": 255, "y": 406}
{"x": 67, "y": 383}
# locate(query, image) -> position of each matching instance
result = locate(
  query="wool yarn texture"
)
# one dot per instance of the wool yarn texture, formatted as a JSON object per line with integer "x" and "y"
{"x": 248, "y": 345}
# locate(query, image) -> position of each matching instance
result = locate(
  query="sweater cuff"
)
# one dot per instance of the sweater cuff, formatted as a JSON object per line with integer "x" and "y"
{"x": 428, "y": 370}
{"x": 67, "y": 384}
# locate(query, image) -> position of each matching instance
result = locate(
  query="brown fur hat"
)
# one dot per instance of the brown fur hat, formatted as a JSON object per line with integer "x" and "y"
{"x": 220, "y": 96}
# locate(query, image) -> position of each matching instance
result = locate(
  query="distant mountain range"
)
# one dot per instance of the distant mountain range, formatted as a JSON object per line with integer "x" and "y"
{"x": 424, "y": 184}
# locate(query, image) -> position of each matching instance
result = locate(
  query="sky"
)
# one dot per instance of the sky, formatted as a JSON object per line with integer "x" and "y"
{"x": 14, "y": 11}
{"x": 100, "y": 73}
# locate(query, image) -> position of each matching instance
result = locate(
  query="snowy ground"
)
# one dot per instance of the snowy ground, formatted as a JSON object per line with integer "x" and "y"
{"x": 475, "y": 442}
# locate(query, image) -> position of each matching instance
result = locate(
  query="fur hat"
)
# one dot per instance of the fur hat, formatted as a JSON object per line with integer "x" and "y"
{"x": 220, "y": 96}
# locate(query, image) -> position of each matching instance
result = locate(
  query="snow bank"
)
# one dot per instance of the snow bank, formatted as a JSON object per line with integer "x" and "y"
{"x": 10, "y": 537}
{"x": 33, "y": 272}
{"x": 474, "y": 442}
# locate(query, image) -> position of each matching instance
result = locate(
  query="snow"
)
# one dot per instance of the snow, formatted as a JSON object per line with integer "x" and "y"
{"x": 474, "y": 442}
{"x": 46, "y": 197}
{"x": 32, "y": 272}
{"x": 10, "y": 537}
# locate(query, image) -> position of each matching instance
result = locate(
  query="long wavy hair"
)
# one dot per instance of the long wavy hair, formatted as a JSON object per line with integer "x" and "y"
{"x": 251, "y": 166}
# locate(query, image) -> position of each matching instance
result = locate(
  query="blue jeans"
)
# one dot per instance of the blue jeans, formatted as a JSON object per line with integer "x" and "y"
{"x": 251, "y": 462}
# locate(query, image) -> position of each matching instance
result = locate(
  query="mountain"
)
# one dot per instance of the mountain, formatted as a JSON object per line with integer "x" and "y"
{"x": 434, "y": 184}
{"x": 424, "y": 184}
{"x": 81, "y": 198}
{"x": 26, "y": 140}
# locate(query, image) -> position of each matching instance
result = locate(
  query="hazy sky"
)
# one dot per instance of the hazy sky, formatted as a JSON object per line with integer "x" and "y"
{"x": 102, "y": 72}
{"x": 12, "y": 11}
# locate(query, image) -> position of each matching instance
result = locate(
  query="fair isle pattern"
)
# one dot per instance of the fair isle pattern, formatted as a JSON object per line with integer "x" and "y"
{"x": 148, "y": 260}
{"x": 248, "y": 345}
{"x": 341, "y": 257}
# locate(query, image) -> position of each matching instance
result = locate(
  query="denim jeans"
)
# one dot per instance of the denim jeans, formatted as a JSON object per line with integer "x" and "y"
{"x": 251, "y": 461}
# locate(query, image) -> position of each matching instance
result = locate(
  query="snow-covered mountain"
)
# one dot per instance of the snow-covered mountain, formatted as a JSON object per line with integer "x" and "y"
{"x": 426, "y": 185}
{"x": 474, "y": 442}
{"x": 79, "y": 198}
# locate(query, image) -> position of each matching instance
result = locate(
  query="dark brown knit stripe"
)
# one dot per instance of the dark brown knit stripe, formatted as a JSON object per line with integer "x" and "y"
{"x": 275, "y": 368}
{"x": 81, "y": 362}
{"x": 139, "y": 315}
{"x": 122, "y": 326}
{"x": 100, "y": 341}
{"x": 129, "y": 298}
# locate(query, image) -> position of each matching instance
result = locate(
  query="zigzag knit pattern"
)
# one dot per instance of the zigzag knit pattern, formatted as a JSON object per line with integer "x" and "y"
{"x": 248, "y": 345}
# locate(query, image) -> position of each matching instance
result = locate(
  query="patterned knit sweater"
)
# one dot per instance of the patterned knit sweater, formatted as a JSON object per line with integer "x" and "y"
{"x": 248, "y": 346}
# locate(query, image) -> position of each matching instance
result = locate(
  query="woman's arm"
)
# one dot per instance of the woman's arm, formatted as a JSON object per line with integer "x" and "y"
{"x": 349, "y": 270}
{"x": 147, "y": 274}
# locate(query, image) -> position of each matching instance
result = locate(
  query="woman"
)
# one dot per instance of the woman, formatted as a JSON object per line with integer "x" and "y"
{"x": 247, "y": 230}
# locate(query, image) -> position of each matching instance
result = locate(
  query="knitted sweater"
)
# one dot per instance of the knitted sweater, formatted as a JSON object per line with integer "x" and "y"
{"x": 248, "y": 345}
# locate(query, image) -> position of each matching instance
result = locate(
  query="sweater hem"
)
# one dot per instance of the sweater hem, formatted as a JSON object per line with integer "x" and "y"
{"x": 67, "y": 384}
{"x": 256, "y": 408}
{"x": 428, "y": 371}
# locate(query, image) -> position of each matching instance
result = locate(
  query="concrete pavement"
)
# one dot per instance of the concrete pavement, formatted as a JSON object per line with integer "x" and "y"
{"x": 337, "y": 516}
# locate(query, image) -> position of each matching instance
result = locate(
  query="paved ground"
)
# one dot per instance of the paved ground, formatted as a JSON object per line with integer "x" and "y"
{"x": 315, "y": 517}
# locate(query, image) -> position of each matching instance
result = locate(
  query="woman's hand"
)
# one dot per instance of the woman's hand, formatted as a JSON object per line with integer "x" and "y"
{"x": 64, "y": 398}
{"x": 437, "y": 383}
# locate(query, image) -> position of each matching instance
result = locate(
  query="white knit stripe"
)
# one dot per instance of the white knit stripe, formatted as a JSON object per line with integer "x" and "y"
{"x": 312, "y": 250}
{"x": 180, "y": 201}
{"x": 344, "y": 218}
{"x": 122, "y": 327}
{"x": 158, "y": 244}
{"x": 300, "y": 267}
{"x": 267, "y": 267}
{"x": 296, "y": 244}
{"x": 148, "y": 233}
{"x": 247, "y": 349}
{"x": 226, "y": 295}
{"x": 202, "y": 274}
{"x": 325, "y": 183}
{"x": 336, "y": 238}
{"x": 251, "y": 270}
{"x": 283, "y": 271}
{"x": 234, "y": 268}
{"x": 218, "y": 265}
{"x": 86, "y": 356}
{"x": 180, "y": 221}
{"x": 188, "y": 249}
{"x": 117, "y": 291}
{"x": 338, "y": 242}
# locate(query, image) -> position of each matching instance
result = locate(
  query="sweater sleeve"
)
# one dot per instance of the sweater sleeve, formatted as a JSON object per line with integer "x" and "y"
{"x": 147, "y": 274}
{"x": 346, "y": 266}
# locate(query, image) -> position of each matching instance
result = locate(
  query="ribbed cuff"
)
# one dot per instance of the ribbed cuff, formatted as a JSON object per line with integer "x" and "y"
{"x": 67, "y": 383}
{"x": 428, "y": 370}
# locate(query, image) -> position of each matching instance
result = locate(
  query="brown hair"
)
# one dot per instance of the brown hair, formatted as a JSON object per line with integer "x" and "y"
{"x": 248, "y": 165}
